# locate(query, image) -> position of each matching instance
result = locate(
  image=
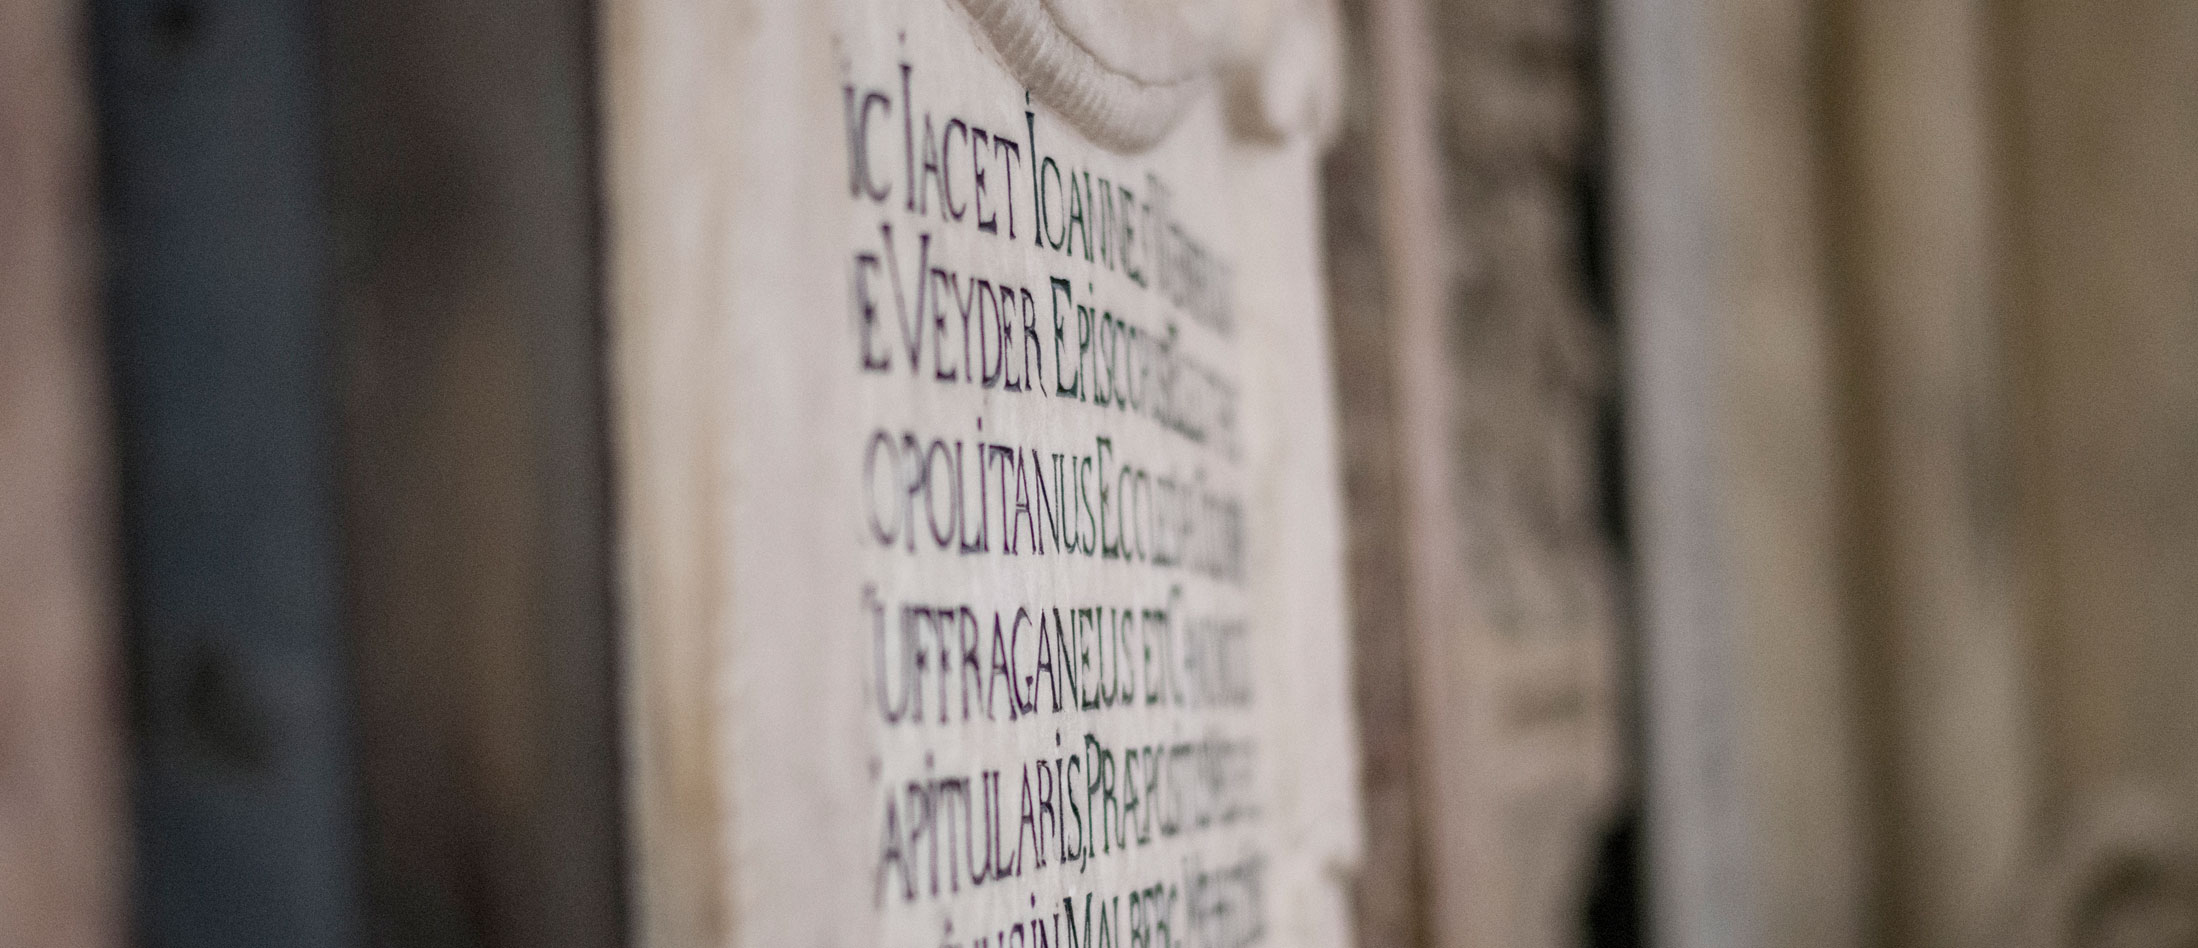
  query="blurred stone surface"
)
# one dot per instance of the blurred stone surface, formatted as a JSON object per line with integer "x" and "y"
{"x": 1473, "y": 383}
{"x": 1902, "y": 281}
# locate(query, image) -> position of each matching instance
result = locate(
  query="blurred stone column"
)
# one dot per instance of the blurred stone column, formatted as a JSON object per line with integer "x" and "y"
{"x": 60, "y": 789}
{"x": 1754, "y": 778}
{"x": 1944, "y": 706}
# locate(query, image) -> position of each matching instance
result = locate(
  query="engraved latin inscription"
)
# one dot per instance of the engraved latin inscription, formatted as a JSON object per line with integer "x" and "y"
{"x": 1059, "y": 676}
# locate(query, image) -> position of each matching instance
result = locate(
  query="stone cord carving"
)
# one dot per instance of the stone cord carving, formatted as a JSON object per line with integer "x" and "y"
{"x": 1124, "y": 72}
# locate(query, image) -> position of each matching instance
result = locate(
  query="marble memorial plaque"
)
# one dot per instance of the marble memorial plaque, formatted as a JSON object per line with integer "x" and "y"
{"x": 978, "y": 481}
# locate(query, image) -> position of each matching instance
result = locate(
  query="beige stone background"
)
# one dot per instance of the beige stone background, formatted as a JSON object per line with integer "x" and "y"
{"x": 1768, "y": 427}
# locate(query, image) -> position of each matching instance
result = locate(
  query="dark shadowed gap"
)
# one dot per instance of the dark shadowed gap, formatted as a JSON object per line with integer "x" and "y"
{"x": 1613, "y": 915}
